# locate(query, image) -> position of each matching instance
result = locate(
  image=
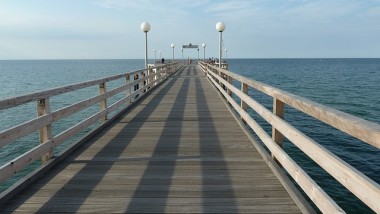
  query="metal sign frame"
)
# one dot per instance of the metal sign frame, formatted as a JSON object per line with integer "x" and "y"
{"x": 190, "y": 45}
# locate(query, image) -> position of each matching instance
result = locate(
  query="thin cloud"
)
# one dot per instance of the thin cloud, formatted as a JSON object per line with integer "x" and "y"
{"x": 228, "y": 6}
{"x": 172, "y": 6}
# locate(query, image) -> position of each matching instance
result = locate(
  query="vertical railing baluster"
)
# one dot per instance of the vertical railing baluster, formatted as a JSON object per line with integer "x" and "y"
{"x": 103, "y": 103}
{"x": 143, "y": 74}
{"x": 45, "y": 133}
{"x": 149, "y": 80}
{"x": 158, "y": 70}
{"x": 221, "y": 74}
{"x": 279, "y": 110}
{"x": 244, "y": 89}
{"x": 229, "y": 80}
{"x": 128, "y": 90}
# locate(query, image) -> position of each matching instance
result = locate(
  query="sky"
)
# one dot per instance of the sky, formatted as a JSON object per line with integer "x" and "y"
{"x": 110, "y": 29}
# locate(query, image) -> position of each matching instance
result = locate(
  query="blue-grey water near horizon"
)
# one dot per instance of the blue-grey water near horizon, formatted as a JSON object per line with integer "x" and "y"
{"x": 349, "y": 85}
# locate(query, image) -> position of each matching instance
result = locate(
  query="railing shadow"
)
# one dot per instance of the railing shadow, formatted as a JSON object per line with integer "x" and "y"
{"x": 161, "y": 153}
{"x": 223, "y": 177}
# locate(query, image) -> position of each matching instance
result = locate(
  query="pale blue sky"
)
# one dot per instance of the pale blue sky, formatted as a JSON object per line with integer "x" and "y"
{"x": 107, "y": 29}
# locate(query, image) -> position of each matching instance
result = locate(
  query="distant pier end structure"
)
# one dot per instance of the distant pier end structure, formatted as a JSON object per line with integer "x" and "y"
{"x": 190, "y": 45}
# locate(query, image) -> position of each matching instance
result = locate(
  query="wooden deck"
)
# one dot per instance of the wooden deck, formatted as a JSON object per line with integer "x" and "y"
{"x": 179, "y": 151}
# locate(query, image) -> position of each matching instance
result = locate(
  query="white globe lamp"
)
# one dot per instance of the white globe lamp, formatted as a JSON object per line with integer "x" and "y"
{"x": 145, "y": 27}
{"x": 204, "y": 51}
{"x": 220, "y": 27}
{"x": 173, "y": 46}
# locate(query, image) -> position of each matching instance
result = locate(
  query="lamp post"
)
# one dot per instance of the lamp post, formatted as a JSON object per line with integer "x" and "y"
{"x": 198, "y": 53}
{"x": 154, "y": 51}
{"x": 220, "y": 27}
{"x": 173, "y": 45}
{"x": 145, "y": 27}
{"x": 225, "y": 50}
{"x": 204, "y": 51}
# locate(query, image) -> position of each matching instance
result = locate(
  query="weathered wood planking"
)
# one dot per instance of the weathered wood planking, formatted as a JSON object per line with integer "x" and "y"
{"x": 179, "y": 151}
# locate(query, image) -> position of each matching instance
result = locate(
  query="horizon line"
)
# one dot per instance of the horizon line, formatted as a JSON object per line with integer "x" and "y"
{"x": 194, "y": 59}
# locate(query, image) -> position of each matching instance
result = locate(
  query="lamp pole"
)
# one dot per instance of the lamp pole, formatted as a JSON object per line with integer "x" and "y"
{"x": 204, "y": 51}
{"x": 154, "y": 51}
{"x": 220, "y": 27}
{"x": 173, "y": 45}
{"x": 145, "y": 27}
{"x": 225, "y": 50}
{"x": 198, "y": 53}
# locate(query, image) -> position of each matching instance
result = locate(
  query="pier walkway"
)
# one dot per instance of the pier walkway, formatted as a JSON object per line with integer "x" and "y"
{"x": 179, "y": 150}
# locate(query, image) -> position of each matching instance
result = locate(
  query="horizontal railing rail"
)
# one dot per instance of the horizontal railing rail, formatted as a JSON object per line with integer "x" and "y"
{"x": 143, "y": 81}
{"x": 360, "y": 185}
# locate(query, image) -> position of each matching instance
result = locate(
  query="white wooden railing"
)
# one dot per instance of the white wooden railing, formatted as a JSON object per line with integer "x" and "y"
{"x": 360, "y": 185}
{"x": 145, "y": 80}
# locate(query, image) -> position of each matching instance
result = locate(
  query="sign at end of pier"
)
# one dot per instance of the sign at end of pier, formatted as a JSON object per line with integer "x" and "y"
{"x": 190, "y": 45}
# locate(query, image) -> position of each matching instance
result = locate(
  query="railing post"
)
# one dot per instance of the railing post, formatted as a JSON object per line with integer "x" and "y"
{"x": 143, "y": 83}
{"x": 103, "y": 103}
{"x": 279, "y": 110}
{"x": 221, "y": 74}
{"x": 128, "y": 91}
{"x": 244, "y": 89}
{"x": 150, "y": 79}
{"x": 229, "y": 80}
{"x": 155, "y": 75}
{"x": 43, "y": 108}
{"x": 163, "y": 72}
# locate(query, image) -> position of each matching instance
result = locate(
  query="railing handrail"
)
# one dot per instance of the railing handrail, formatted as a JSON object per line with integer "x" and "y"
{"x": 34, "y": 96}
{"x": 46, "y": 118}
{"x": 364, "y": 130}
{"x": 363, "y": 187}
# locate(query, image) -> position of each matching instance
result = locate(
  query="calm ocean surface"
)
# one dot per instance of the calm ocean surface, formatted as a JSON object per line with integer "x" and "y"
{"x": 349, "y": 85}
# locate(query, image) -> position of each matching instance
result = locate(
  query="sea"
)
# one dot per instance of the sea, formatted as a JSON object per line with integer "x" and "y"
{"x": 348, "y": 85}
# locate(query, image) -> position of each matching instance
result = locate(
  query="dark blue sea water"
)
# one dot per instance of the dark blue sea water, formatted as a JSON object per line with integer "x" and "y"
{"x": 349, "y": 85}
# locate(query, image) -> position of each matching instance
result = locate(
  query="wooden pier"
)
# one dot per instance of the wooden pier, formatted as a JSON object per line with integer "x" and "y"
{"x": 179, "y": 150}
{"x": 177, "y": 147}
